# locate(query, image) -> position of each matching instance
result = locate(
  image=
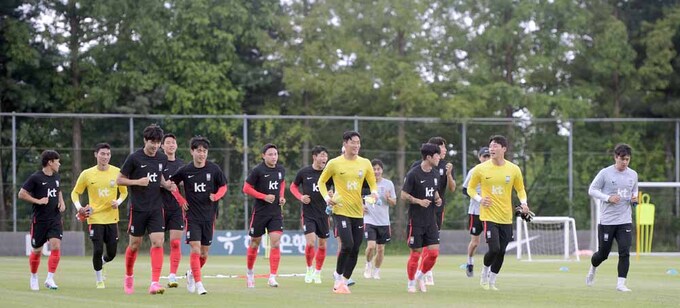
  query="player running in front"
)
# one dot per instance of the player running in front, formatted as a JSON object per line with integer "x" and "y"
{"x": 617, "y": 187}
{"x": 348, "y": 172}
{"x": 420, "y": 190}
{"x": 43, "y": 191}
{"x": 104, "y": 197}
{"x": 267, "y": 184}
{"x": 497, "y": 177}
{"x": 204, "y": 185}
{"x": 315, "y": 221}
{"x": 174, "y": 215}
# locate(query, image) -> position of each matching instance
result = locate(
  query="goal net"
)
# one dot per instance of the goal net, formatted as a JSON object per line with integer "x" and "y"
{"x": 547, "y": 238}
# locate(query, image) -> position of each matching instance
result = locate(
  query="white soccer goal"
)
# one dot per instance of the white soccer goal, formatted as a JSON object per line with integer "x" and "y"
{"x": 550, "y": 238}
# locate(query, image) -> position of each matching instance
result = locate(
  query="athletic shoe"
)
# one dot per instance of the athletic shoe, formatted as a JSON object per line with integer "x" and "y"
{"x": 129, "y": 284}
{"x": 156, "y": 288}
{"x": 191, "y": 283}
{"x": 49, "y": 283}
{"x": 429, "y": 278}
{"x": 200, "y": 289}
{"x": 350, "y": 282}
{"x": 317, "y": 277}
{"x": 623, "y": 288}
{"x": 469, "y": 270}
{"x": 100, "y": 285}
{"x": 590, "y": 279}
{"x": 250, "y": 280}
{"x": 341, "y": 288}
{"x": 309, "y": 275}
{"x": 367, "y": 271}
{"x": 34, "y": 283}
{"x": 272, "y": 282}
{"x": 172, "y": 281}
{"x": 421, "y": 284}
{"x": 411, "y": 286}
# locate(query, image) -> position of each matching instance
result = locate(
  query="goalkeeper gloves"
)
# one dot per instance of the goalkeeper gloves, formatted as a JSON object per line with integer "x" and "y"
{"x": 526, "y": 216}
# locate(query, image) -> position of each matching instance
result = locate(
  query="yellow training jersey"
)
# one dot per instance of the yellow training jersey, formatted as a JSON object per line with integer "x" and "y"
{"x": 497, "y": 182}
{"x": 101, "y": 190}
{"x": 348, "y": 177}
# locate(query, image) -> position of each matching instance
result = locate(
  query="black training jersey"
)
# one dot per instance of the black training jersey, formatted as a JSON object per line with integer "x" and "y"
{"x": 170, "y": 169}
{"x": 199, "y": 183}
{"x": 138, "y": 165}
{"x": 307, "y": 181}
{"x": 421, "y": 185}
{"x": 39, "y": 185}
{"x": 267, "y": 181}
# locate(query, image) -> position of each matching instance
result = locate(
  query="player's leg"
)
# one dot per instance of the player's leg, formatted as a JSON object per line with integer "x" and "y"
{"x": 505, "y": 236}
{"x": 54, "y": 235}
{"x": 624, "y": 239}
{"x": 275, "y": 230}
{"x": 97, "y": 233}
{"x": 174, "y": 223}
{"x": 415, "y": 243}
{"x": 309, "y": 228}
{"x": 605, "y": 238}
{"x": 156, "y": 228}
{"x": 38, "y": 239}
{"x": 371, "y": 235}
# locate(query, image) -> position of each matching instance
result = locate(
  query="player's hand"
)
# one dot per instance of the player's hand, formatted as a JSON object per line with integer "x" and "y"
{"x": 143, "y": 181}
{"x": 114, "y": 204}
{"x": 306, "y": 199}
{"x": 614, "y": 199}
{"x": 43, "y": 201}
{"x": 486, "y": 201}
{"x": 449, "y": 168}
{"x": 269, "y": 198}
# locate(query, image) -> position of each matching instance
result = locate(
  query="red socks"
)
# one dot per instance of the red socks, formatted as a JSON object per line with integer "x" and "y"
{"x": 274, "y": 259}
{"x": 156, "y": 263}
{"x": 34, "y": 262}
{"x": 430, "y": 260}
{"x": 320, "y": 257}
{"x": 196, "y": 266}
{"x": 412, "y": 265}
{"x": 175, "y": 256}
{"x": 309, "y": 254}
{"x": 203, "y": 260}
{"x": 251, "y": 256}
{"x": 130, "y": 258}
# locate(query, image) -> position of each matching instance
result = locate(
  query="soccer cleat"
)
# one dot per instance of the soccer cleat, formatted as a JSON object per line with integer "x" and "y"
{"x": 200, "y": 289}
{"x": 129, "y": 284}
{"x": 272, "y": 282}
{"x": 469, "y": 270}
{"x": 309, "y": 275}
{"x": 350, "y": 282}
{"x": 367, "y": 271}
{"x": 49, "y": 283}
{"x": 429, "y": 278}
{"x": 590, "y": 279}
{"x": 101, "y": 285}
{"x": 250, "y": 280}
{"x": 623, "y": 288}
{"x": 191, "y": 283}
{"x": 172, "y": 281}
{"x": 317, "y": 278}
{"x": 411, "y": 286}
{"x": 156, "y": 288}
{"x": 35, "y": 285}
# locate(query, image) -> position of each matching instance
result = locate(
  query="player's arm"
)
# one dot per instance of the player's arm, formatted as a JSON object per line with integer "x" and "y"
{"x": 595, "y": 189}
{"x": 323, "y": 178}
{"x": 521, "y": 192}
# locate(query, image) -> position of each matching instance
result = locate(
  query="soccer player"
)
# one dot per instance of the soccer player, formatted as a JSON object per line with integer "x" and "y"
{"x": 204, "y": 186}
{"x": 348, "y": 172}
{"x": 42, "y": 190}
{"x": 315, "y": 221}
{"x": 420, "y": 190}
{"x": 497, "y": 177}
{"x": 142, "y": 172}
{"x": 174, "y": 215}
{"x": 617, "y": 187}
{"x": 447, "y": 181}
{"x": 105, "y": 196}
{"x": 475, "y": 225}
{"x": 267, "y": 184}
{"x": 377, "y": 222}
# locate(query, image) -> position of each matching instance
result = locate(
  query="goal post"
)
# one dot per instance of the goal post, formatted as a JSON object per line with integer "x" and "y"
{"x": 550, "y": 237}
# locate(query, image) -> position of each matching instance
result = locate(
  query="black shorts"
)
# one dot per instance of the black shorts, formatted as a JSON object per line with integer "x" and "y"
{"x": 318, "y": 226}
{"x": 151, "y": 221}
{"x": 475, "y": 225}
{"x": 258, "y": 224}
{"x": 174, "y": 219}
{"x": 42, "y": 231}
{"x": 107, "y": 233}
{"x": 500, "y": 234}
{"x": 440, "y": 217}
{"x": 380, "y": 234}
{"x": 200, "y": 231}
{"x": 421, "y": 236}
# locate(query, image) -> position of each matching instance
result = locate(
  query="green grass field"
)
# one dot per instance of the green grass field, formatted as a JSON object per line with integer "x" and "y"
{"x": 534, "y": 284}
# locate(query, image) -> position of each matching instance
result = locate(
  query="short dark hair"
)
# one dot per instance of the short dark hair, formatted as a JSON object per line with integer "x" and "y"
{"x": 168, "y": 135}
{"x": 428, "y": 149}
{"x": 199, "y": 141}
{"x": 48, "y": 155}
{"x": 500, "y": 140}
{"x": 377, "y": 162}
{"x": 349, "y": 135}
{"x": 437, "y": 141}
{"x": 622, "y": 149}
{"x": 153, "y": 132}
{"x": 269, "y": 146}
{"x": 100, "y": 146}
{"x": 318, "y": 149}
